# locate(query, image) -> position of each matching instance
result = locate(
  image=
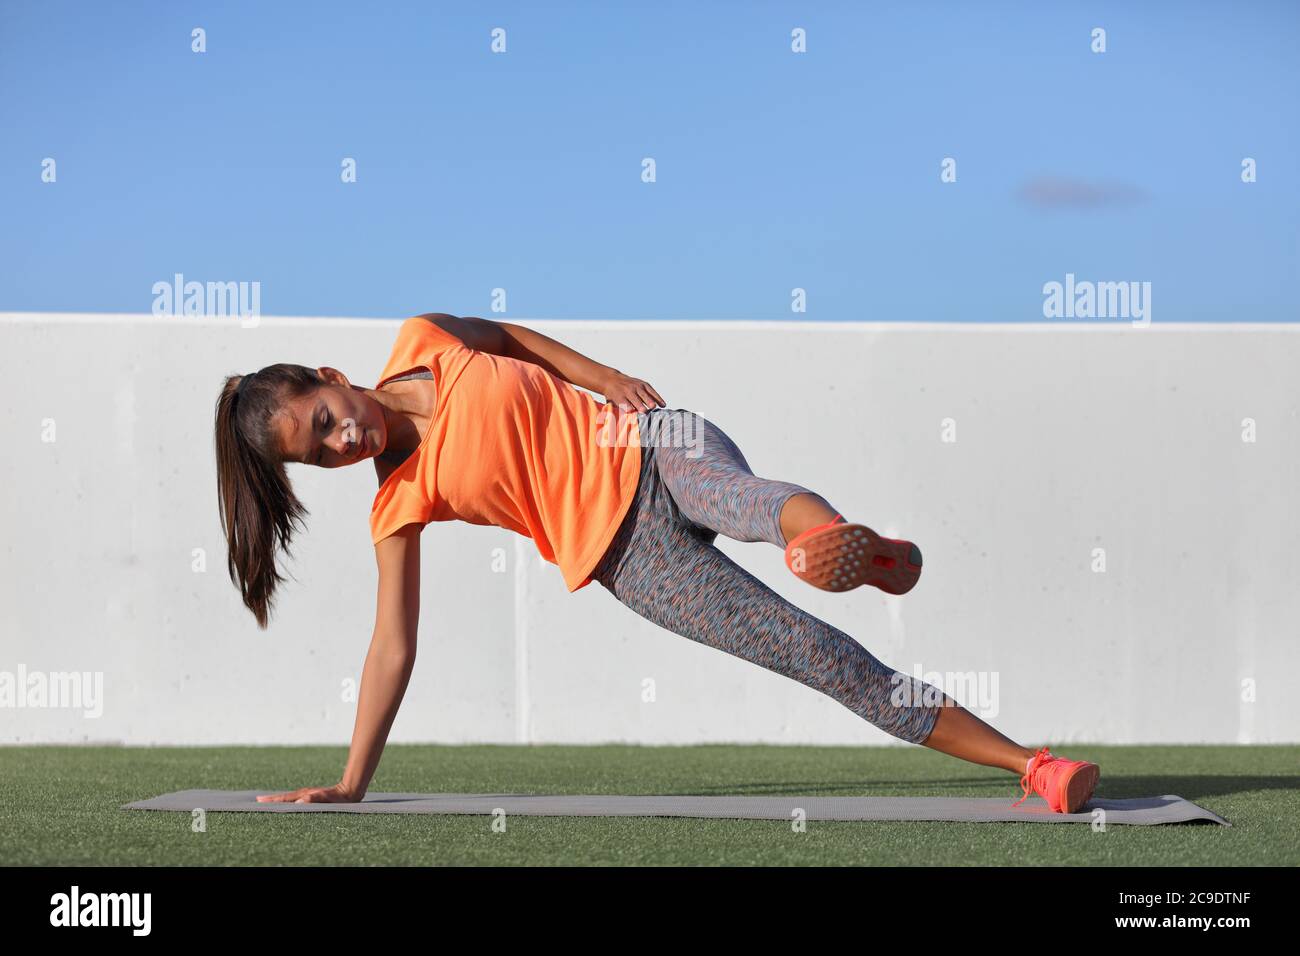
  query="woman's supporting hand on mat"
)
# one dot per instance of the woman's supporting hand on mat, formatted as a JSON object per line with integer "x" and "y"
{"x": 335, "y": 794}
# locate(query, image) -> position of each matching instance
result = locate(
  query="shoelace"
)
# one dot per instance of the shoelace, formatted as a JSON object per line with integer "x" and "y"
{"x": 1027, "y": 781}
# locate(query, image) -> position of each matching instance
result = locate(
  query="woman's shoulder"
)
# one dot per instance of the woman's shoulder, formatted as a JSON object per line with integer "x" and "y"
{"x": 418, "y": 342}
{"x": 430, "y": 326}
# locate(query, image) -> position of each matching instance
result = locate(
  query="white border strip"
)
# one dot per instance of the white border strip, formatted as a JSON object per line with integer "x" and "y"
{"x": 642, "y": 325}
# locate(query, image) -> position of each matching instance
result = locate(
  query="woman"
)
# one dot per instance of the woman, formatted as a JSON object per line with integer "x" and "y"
{"x": 474, "y": 420}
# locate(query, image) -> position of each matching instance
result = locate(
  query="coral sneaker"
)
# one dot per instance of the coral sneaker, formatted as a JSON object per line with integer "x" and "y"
{"x": 1066, "y": 785}
{"x": 840, "y": 556}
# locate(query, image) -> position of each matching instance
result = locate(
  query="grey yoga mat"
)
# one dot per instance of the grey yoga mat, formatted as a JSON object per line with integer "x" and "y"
{"x": 1143, "y": 810}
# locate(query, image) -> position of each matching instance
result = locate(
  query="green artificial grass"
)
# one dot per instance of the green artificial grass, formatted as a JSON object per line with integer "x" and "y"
{"x": 61, "y": 806}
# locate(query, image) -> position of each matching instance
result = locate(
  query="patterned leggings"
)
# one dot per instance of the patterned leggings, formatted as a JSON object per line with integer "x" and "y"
{"x": 662, "y": 563}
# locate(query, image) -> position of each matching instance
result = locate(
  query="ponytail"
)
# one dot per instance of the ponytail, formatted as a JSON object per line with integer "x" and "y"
{"x": 258, "y": 508}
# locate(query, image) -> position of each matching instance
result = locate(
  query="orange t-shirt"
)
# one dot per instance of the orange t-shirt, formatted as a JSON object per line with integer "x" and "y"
{"x": 514, "y": 446}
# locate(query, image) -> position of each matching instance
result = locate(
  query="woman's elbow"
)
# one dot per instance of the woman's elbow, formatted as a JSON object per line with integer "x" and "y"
{"x": 394, "y": 646}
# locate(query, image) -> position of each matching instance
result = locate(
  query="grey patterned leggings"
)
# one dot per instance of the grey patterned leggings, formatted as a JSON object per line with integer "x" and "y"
{"x": 662, "y": 563}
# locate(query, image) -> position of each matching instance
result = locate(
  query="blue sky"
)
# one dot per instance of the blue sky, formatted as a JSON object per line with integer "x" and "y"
{"x": 775, "y": 170}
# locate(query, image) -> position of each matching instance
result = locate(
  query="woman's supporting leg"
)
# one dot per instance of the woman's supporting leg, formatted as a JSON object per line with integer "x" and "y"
{"x": 666, "y": 571}
{"x": 961, "y": 734}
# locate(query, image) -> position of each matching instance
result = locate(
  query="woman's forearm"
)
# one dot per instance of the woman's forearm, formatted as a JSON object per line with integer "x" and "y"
{"x": 383, "y": 684}
{"x": 557, "y": 358}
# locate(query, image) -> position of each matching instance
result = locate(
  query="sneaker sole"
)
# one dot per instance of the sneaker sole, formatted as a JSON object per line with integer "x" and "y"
{"x": 1079, "y": 786}
{"x": 846, "y": 556}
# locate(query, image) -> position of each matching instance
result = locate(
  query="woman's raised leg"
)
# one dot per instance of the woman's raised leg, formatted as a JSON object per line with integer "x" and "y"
{"x": 715, "y": 489}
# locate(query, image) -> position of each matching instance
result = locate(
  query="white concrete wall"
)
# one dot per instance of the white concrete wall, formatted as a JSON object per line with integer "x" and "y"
{"x": 1069, "y": 438}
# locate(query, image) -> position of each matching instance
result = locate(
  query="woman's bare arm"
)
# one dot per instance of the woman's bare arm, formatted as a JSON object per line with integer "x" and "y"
{"x": 391, "y": 657}
{"x": 558, "y": 359}
{"x": 515, "y": 341}
{"x": 387, "y": 669}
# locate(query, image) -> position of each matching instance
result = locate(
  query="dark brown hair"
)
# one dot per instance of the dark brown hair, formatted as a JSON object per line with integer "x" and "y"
{"x": 257, "y": 505}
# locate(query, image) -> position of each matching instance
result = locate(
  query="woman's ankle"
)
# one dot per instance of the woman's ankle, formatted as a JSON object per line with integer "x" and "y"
{"x": 804, "y": 511}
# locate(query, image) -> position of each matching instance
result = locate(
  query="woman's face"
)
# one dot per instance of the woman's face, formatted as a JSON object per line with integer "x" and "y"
{"x": 337, "y": 425}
